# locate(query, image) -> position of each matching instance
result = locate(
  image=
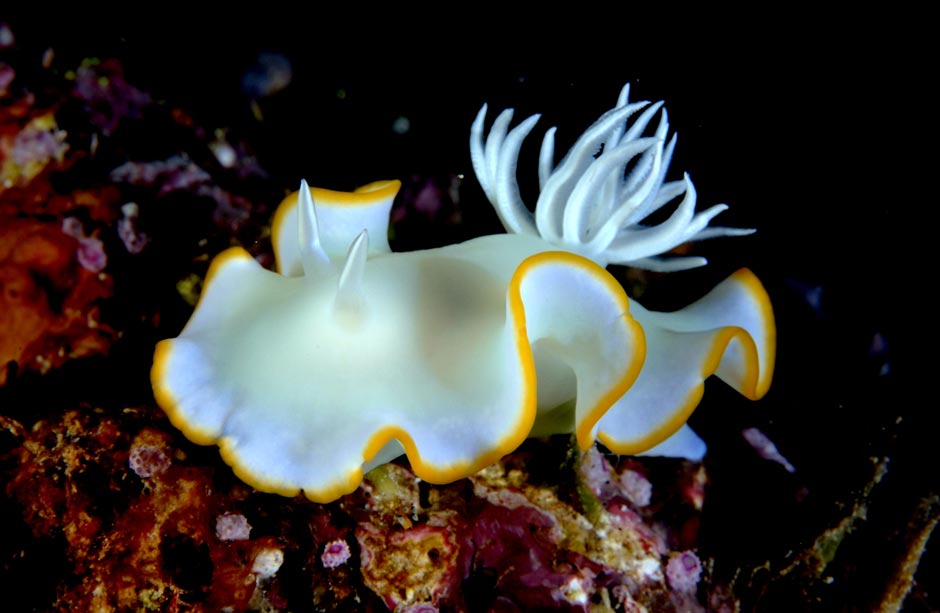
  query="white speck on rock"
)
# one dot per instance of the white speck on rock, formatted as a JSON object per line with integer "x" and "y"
{"x": 574, "y": 591}
{"x": 651, "y": 569}
{"x": 267, "y": 563}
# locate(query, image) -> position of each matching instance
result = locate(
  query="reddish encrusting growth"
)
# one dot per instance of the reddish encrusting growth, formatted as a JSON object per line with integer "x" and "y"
{"x": 158, "y": 546}
{"x": 49, "y": 304}
{"x": 335, "y": 554}
{"x": 51, "y": 286}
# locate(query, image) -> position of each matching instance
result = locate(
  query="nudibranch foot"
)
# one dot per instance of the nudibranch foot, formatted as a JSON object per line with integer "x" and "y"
{"x": 683, "y": 443}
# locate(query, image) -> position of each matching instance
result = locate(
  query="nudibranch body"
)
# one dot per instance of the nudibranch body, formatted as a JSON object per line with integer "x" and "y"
{"x": 350, "y": 355}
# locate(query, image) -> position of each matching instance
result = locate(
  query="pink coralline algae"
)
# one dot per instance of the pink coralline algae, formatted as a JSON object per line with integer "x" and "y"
{"x": 604, "y": 482}
{"x": 180, "y": 174}
{"x": 623, "y": 516}
{"x": 134, "y": 240}
{"x": 90, "y": 253}
{"x": 636, "y": 487}
{"x": 146, "y": 457}
{"x": 108, "y": 97}
{"x": 683, "y": 571}
{"x": 335, "y": 553}
{"x": 173, "y": 174}
{"x": 38, "y": 145}
{"x": 232, "y": 527}
{"x": 536, "y": 571}
{"x": 32, "y": 148}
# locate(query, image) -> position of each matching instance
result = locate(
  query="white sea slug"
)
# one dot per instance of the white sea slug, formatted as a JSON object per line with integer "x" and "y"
{"x": 350, "y": 355}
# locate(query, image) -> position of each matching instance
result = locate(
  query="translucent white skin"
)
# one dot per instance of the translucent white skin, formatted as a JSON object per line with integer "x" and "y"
{"x": 351, "y": 354}
{"x": 306, "y": 381}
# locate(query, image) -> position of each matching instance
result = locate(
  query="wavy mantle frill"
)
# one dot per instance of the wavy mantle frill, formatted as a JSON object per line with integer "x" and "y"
{"x": 350, "y": 354}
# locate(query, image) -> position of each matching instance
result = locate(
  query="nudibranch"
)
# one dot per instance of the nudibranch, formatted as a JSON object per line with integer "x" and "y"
{"x": 350, "y": 355}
